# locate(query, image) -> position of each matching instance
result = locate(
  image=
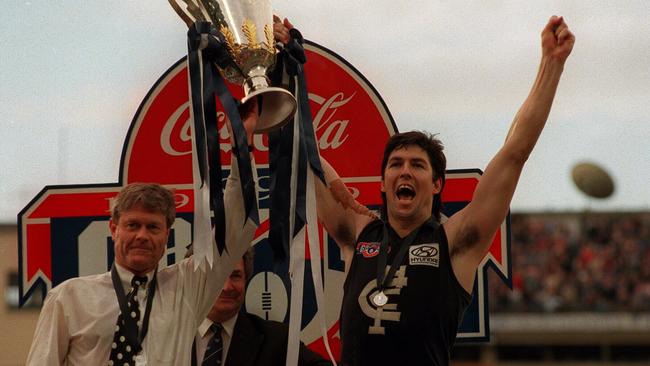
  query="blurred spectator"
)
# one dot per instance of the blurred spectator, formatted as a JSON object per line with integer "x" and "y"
{"x": 577, "y": 262}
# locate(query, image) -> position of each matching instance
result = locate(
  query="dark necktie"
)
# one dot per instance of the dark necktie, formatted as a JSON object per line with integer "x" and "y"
{"x": 214, "y": 352}
{"x": 122, "y": 351}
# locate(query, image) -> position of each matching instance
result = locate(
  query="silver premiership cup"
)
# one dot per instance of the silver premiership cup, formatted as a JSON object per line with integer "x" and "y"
{"x": 247, "y": 27}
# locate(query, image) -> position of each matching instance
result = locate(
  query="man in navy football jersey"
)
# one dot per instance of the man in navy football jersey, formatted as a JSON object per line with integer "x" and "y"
{"x": 409, "y": 276}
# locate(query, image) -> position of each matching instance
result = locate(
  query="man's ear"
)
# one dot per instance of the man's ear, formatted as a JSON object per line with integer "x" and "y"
{"x": 113, "y": 226}
{"x": 437, "y": 185}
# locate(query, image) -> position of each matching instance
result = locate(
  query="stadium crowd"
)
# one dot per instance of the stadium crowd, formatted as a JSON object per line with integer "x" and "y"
{"x": 577, "y": 262}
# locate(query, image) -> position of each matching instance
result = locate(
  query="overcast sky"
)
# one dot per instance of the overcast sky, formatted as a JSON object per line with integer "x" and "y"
{"x": 72, "y": 74}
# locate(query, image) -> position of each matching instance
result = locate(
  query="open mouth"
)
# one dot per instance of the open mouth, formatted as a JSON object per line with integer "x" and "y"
{"x": 405, "y": 192}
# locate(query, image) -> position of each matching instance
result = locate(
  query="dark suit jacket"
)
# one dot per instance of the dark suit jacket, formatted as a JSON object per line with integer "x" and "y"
{"x": 259, "y": 342}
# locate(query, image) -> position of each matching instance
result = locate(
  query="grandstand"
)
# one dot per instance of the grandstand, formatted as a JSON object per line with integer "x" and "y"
{"x": 581, "y": 293}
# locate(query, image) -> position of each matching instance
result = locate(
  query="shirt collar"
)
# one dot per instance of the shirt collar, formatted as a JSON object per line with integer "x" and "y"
{"x": 126, "y": 276}
{"x": 228, "y": 326}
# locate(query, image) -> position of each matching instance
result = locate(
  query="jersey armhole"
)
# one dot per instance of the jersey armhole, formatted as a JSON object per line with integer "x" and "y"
{"x": 460, "y": 290}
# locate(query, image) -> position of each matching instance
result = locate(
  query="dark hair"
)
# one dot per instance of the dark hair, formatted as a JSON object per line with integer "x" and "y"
{"x": 433, "y": 147}
{"x": 150, "y": 196}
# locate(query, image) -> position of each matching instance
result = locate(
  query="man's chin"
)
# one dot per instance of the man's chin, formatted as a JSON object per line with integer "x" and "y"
{"x": 141, "y": 264}
{"x": 226, "y": 309}
{"x": 227, "y": 303}
{"x": 404, "y": 209}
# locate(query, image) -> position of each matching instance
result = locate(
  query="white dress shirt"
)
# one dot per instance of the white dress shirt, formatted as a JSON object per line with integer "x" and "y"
{"x": 204, "y": 334}
{"x": 77, "y": 321}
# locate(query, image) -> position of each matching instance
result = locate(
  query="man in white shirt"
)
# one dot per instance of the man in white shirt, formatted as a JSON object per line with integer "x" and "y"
{"x": 79, "y": 322}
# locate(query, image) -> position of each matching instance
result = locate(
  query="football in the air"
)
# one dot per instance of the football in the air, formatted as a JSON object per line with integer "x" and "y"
{"x": 592, "y": 180}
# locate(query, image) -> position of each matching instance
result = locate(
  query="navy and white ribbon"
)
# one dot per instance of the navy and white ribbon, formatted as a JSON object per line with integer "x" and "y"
{"x": 205, "y": 52}
{"x": 295, "y": 146}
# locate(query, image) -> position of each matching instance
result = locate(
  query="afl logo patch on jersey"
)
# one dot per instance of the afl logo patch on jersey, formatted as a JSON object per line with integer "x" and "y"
{"x": 368, "y": 250}
{"x": 424, "y": 255}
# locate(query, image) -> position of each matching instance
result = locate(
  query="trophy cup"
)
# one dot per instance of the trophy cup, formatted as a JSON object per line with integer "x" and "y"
{"x": 247, "y": 27}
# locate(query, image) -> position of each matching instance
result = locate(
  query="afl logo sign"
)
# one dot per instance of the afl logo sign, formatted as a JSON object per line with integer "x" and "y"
{"x": 368, "y": 250}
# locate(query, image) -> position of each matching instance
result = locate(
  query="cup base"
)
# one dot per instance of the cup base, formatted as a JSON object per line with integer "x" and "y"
{"x": 278, "y": 107}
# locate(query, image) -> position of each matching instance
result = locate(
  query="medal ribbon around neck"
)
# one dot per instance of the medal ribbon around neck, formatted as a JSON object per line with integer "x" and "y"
{"x": 380, "y": 298}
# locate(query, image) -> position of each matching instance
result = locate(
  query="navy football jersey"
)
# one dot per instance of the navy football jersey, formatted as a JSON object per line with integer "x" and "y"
{"x": 419, "y": 322}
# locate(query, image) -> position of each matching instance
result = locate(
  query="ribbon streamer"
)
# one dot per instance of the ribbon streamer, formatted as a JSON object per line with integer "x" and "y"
{"x": 290, "y": 62}
{"x": 295, "y": 146}
{"x": 305, "y": 221}
{"x": 205, "y": 49}
{"x": 297, "y": 255}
